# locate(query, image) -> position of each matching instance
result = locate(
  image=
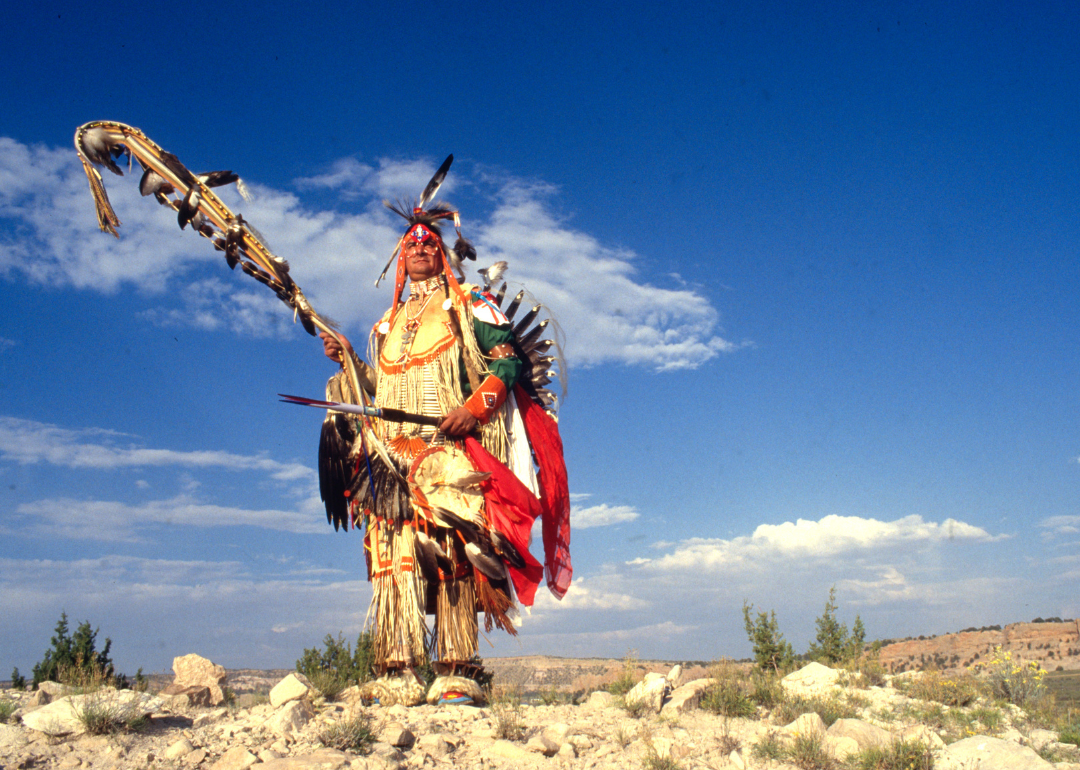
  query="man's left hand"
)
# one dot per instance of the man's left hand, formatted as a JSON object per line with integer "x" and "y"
{"x": 459, "y": 422}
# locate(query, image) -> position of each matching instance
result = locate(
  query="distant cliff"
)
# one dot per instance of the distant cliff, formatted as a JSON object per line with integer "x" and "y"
{"x": 1054, "y": 644}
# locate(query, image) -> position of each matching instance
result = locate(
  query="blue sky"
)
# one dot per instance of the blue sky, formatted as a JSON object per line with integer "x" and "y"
{"x": 817, "y": 271}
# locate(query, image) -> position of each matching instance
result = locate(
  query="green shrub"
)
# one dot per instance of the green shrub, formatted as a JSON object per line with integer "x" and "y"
{"x": 769, "y": 748}
{"x": 829, "y": 708}
{"x": 18, "y": 681}
{"x": 1013, "y": 680}
{"x": 354, "y": 733}
{"x": 75, "y": 659}
{"x": 728, "y": 694}
{"x": 336, "y": 667}
{"x": 933, "y": 686}
{"x": 1070, "y": 734}
{"x": 808, "y": 752}
{"x": 103, "y": 713}
{"x": 901, "y": 755}
{"x": 628, "y": 676}
{"x": 833, "y": 643}
{"x": 771, "y": 652}
{"x": 506, "y": 713}
{"x": 7, "y": 708}
{"x": 766, "y": 690}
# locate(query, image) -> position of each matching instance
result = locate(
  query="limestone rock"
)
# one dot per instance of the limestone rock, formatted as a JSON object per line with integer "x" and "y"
{"x": 179, "y": 697}
{"x": 600, "y": 699}
{"x": 66, "y": 715}
{"x": 674, "y": 676}
{"x": 649, "y": 692}
{"x": 290, "y": 718}
{"x": 398, "y": 735}
{"x": 687, "y": 697}
{"x": 293, "y": 687}
{"x": 323, "y": 759}
{"x": 55, "y": 690}
{"x": 179, "y": 749}
{"x": 841, "y": 746}
{"x": 811, "y": 679}
{"x": 864, "y": 733}
{"x": 557, "y": 733}
{"x": 196, "y": 671}
{"x": 806, "y": 724}
{"x": 539, "y": 744}
{"x": 209, "y": 717}
{"x": 988, "y": 753}
{"x": 236, "y": 758}
{"x": 923, "y": 735}
{"x": 434, "y": 745}
{"x": 507, "y": 750}
{"x": 38, "y": 699}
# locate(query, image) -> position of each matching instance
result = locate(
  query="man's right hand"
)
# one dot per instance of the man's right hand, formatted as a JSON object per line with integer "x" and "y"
{"x": 332, "y": 349}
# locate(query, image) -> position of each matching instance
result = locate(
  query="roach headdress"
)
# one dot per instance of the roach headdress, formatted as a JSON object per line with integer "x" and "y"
{"x": 423, "y": 225}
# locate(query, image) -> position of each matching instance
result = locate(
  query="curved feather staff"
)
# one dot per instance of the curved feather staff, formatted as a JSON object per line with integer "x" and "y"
{"x": 100, "y": 142}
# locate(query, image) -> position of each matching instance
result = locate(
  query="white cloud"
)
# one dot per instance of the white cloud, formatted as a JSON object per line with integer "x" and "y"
{"x": 609, "y": 312}
{"x": 28, "y": 442}
{"x": 111, "y": 521}
{"x": 829, "y": 537}
{"x": 601, "y": 515}
{"x": 5, "y": 343}
{"x": 1060, "y": 525}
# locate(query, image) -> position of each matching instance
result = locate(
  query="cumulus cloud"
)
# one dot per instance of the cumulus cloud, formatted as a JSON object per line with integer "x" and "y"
{"x": 609, "y": 312}
{"x": 601, "y": 515}
{"x": 802, "y": 539}
{"x": 111, "y": 521}
{"x": 28, "y": 442}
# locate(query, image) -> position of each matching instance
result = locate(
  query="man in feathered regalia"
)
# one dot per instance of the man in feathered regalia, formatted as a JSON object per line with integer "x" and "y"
{"x": 453, "y": 462}
{"x": 453, "y": 539}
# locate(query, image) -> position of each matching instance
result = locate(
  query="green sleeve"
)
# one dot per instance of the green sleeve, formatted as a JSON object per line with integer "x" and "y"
{"x": 487, "y": 337}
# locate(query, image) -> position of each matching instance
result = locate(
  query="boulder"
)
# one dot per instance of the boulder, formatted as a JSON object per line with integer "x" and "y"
{"x": 806, "y": 724}
{"x": 687, "y": 697}
{"x": 55, "y": 690}
{"x": 988, "y": 753}
{"x": 293, "y": 687}
{"x": 864, "y": 733}
{"x": 67, "y": 716}
{"x": 290, "y": 718}
{"x": 599, "y": 700}
{"x": 196, "y": 671}
{"x": 811, "y": 679}
{"x": 674, "y": 676}
{"x": 840, "y": 746}
{"x": 649, "y": 692}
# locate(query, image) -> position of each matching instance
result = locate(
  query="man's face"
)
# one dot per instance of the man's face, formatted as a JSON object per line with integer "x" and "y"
{"x": 421, "y": 256}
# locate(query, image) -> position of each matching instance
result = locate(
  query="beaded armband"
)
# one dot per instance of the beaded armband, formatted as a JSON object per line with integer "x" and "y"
{"x": 486, "y": 399}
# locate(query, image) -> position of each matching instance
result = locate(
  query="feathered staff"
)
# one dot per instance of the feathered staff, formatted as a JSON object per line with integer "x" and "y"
{"x": 189, "y": 195}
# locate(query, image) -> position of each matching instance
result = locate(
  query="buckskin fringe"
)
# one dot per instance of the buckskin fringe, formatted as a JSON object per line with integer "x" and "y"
{"x": 401, "y": 635}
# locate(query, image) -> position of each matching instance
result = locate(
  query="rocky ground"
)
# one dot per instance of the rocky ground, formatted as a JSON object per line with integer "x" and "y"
{"x": 664, "y": 727}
